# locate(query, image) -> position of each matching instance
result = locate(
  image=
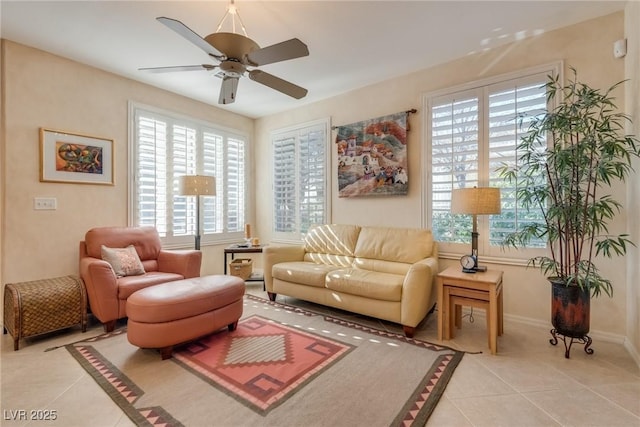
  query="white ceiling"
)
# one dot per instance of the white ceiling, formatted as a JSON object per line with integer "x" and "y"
{"x": 352, "y": 43}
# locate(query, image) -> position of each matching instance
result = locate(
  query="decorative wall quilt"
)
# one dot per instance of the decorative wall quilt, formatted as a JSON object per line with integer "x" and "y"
{"x": 372, "y": 157}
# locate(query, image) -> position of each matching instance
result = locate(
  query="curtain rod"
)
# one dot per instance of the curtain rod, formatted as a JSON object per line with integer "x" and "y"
{"x": 411, "y": 111}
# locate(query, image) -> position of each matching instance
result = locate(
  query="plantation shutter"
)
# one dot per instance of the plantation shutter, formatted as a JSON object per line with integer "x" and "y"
{"x": 235, "y": 185}
{"x": 182, "y": 159}
{"x": 312, "y": 191}
{"x": 167, "y": 148}
{"x": 474, "y": 132}
{"x": 454, "y": 160}
{"x": 151, "y": 203}
{"x": 284, "y": 185}
{"x": 300, "y": 182}
{"x": 511, "y": 107}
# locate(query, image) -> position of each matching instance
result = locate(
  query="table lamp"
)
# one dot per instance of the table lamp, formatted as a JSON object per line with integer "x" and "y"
{"x": 475, "y": 201}
{"x": 197, "y": 185}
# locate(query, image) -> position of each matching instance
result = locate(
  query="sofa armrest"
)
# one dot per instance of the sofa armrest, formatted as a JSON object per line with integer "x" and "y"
{"x": 416, "y": 291}
{"x": 183, "y": 262}
{"x": 272, "y": 255}
{"x": 101, "y": 284}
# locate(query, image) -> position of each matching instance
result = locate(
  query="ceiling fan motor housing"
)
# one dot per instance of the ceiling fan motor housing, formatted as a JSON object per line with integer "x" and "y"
{"x": 232, "y": 68}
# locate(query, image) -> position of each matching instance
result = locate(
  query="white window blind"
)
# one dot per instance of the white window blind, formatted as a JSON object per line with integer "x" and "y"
{"x": 474, "y": 131}
{"x": 166, "y": 147}
{"x": 300, "y": 179}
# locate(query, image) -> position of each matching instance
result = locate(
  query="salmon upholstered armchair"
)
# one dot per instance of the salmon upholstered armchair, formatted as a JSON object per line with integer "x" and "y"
{"x": 117, "y": 261}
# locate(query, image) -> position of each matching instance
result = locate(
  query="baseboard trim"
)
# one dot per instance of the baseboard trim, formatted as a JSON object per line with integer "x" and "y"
{"x": 632, "y": 351}
{"x": 544, "y": 325}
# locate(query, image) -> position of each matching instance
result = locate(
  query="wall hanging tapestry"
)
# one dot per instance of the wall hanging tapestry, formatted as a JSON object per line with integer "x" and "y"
{"x": 283, "y": 365}
{"x": 372, "y": 157}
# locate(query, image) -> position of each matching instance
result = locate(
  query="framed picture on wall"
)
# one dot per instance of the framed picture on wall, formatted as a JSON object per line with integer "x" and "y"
{"x": 75, "y": 158}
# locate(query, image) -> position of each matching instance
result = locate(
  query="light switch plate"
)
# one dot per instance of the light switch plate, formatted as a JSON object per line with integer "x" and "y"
{"x": 45, "y": 203}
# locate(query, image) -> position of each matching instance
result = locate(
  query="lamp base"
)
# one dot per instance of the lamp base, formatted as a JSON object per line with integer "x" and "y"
{"x": 481, "y": 268}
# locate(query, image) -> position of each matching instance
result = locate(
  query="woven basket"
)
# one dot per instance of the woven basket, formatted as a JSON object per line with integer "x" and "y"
{"x": 241, "y": 267}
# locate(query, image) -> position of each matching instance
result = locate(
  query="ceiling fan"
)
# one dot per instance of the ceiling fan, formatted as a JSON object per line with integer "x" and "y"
{"x": 235, "y": 54}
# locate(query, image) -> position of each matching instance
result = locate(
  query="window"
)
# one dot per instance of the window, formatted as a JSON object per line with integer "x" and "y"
{"x": 165, "y": 147}
{"x": 472, "y": 131}
{"x": 300, "y": 179}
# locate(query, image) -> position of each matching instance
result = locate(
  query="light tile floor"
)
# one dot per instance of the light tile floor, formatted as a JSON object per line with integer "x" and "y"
{"x": 528, "y": 383}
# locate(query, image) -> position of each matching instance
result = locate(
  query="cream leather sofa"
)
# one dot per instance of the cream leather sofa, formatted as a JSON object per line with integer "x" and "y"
{"x": 382, "y": 272}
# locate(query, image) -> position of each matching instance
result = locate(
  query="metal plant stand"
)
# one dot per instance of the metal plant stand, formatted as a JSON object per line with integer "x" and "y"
{"x": 584, "y": 339}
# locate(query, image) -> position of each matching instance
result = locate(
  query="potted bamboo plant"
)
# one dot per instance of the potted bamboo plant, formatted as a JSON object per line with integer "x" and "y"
{"x": 566, "y": 161}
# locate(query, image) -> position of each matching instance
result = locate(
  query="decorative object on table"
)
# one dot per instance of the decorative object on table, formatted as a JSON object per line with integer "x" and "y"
{"x": 279, "y": 356}
{"x": 475, "y": 201}
{"x": 40, "y": 306}
{"x": 372, "y": 157}
{"x": 247, "y": 234}
{"x": 75, "y": 158}
{"x": 197, "y": 185}
{"x": 566, "y": 158}
{"x": 241, "y": 267}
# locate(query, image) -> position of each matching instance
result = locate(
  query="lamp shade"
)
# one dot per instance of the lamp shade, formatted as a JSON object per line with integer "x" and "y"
{"x": 197, "y": 185}
{"x": 476, "y": 201}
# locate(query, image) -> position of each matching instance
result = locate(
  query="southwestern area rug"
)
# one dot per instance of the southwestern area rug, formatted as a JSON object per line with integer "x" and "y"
{"x": 283, "y": 365}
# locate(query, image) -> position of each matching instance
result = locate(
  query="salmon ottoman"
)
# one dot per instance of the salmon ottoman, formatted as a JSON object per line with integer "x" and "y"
{"x": 164, "y": 315}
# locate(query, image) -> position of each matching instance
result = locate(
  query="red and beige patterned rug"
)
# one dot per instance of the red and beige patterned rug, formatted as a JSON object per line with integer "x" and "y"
{"x": 282, "y": 366}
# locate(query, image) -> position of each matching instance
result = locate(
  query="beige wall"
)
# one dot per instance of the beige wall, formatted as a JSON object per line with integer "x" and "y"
{"x": 587, "y": 47}
{"x": 44, "y": 90}
{"x": 632, "y": 72}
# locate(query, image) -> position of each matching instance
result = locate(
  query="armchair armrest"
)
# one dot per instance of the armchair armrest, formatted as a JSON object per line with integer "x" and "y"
{"x": 272, "y": 255}
{"x": 184, "y": 262}
{"x": 102, "y": 288}
{"x": 416, "y": 291}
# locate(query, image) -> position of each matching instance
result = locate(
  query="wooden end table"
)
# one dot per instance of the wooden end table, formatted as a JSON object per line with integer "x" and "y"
{"x": 480, "y": 290}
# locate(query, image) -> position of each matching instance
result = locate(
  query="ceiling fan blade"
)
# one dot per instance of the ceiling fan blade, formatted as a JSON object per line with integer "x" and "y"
{"x": 284, "y": 51}
{"x": 178, "y": 68}
{"x": 190, "y": 35}
{"x": 278, "y": 84}
{"x": 228, "y": 90}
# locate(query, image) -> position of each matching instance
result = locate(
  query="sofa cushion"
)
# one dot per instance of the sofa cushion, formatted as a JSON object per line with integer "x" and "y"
{"x": 124, "y": 261}
{"x": 304, "y": 273}
{"x": 369, "y": 284}
{"x": 406, "y": 245}
{"x": 337, "y": 260}
{"x": 337, "y": 239}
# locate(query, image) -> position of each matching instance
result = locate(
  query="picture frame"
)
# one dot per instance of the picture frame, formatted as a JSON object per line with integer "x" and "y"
{"x": 69, "y": 157}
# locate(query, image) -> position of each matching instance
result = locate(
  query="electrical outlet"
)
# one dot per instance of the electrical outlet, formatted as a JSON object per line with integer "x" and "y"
{"x": 45, "y": 203}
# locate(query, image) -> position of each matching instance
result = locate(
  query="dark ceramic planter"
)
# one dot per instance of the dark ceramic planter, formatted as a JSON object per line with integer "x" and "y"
{"x": 570, "y": 309}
